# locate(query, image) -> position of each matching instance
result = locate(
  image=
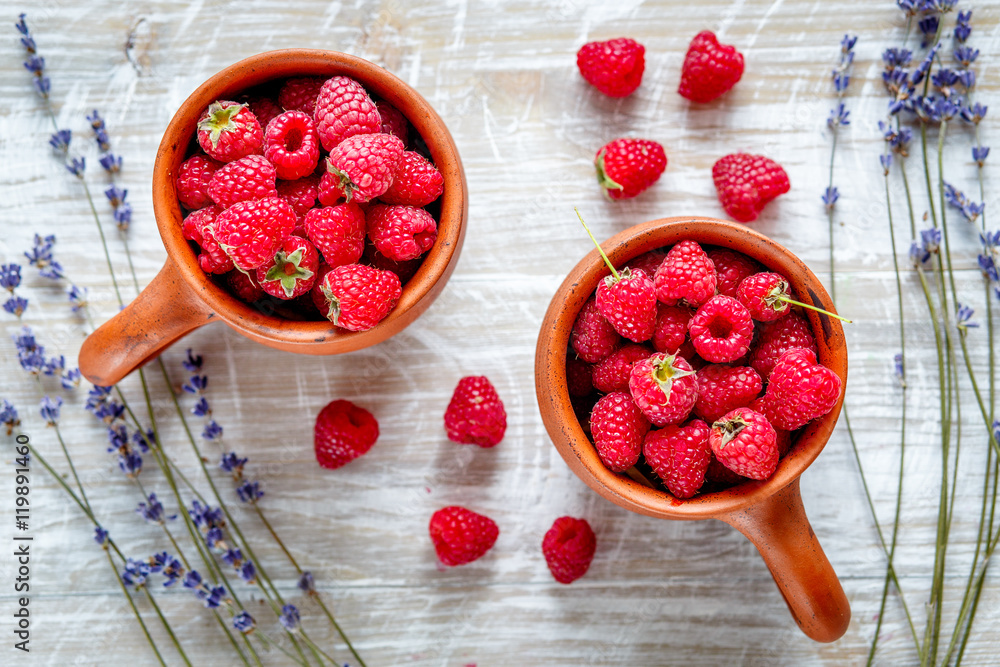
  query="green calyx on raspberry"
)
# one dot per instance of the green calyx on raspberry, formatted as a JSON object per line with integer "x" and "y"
{"x": 602, "y": 176}
{"x": 731, "y": 428}
{"x": 219, "y": 120}
{"x": 778, "y": 296}
{"x": 288, "y": 269}
{"x": 333, "y": 305}
{"x": 665, "y": 372}
{"x": 618, "y": 276}
{"x": 346, "y": 184}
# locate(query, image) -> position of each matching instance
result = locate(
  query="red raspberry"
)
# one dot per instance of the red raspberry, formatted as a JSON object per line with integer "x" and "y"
{"x": 192, "y": 181}
{"x": 197, "y": 227}
{"x": 250, "y": 177}
{"x": 228, "y": 131}
{"x": 401, "y": 232}
{"x": 356, "y": 297}
{"x": 721, "y": 330}
{"x": 579, "y": 376}
{"x": 799, "y": 390}
{"x": 292, "y": 271}
{"x": 338, "y": 232}
{"x": 720, "y": 476}
{"x": 664, "y": 387}
{"x": 405, "y": 270}
{"x": 300, "y": 194}
{"x": 265, "y": 109}
{"x": 393, "y": 121}
{"x": 710, "y": 69}
{"x": 360, "y": 169}
{"x": 613, "y": 67}
{"x": 626, "y": 167}
{"x": 475, "y": 414}
{"x": 343, "y": 432}
{"x": 292, "y": 145}
{"x": 617, "y": 426}
{"x": 686, "y": 276}
{"x": 723, "y": 388}
{"x": 746, "y": 183}
{"x": 461, "y": 536}
{"x": 680, "y": 456}
{"x": 671, "y": 328}
{"x": 416, "y": 182}
{"x": 251, "y": 231}
{"x": 343, "y": 109}
{"x": 731, "y": 268}
{"x": 568, "y": 547}
{"x": 765, "y": 295}
{"x": 778, "y": 337}
{"x": 613, "y": 373}
{"x": 629, "y": 304}
{"x": 300, "y": 93}
{"x": 648, "y": 261}
{"x": 244, "y": 286}
{"x": 745, "y": 442}
{"x": 593, "y": 338}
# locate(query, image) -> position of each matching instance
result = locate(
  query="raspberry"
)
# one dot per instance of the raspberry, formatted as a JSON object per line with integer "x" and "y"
{"x": 251, "y": 231}
{"x": 686, "y": 275}
{"x": 613, "y": 373}
{"x": 338, "y": 232}
{"x": 416, "y": 182}
{"x": 250, "y": 177}
{"x": 776, "y": 338}
{"x": 475, "y": 414}
{"x": 721, "y": 330}
{"x": 356, "y": 297}
{"x": 196, "y": 227}
{"x": 720, "y": 476}
{"x": 401, "y": 232}
{"x": 244, "y": 286}
{"x": 343, "y": 432}
{"x": 626, "y": 167}
{"x": 671, "y": 328}
{"x": 593, "y": 338}
{"x": 680, "y": 456}
{"x": 579, "y": 376}
{"x": 617, "y": 426}
{"x": 393, "y": 121}
{"x": 613, "y": 67}
{"x": 765, "y": 296}
{"x": 300, "y": 194}
{"x": 192, "y": 181}
{"x": 629, "y": 304}
{"x": 723, "y": 388}
{"x": 745, "y": 442}
{"x": 664, "y": 387}
{"x": 265, "y": 109}
{"x": 228, "y": 131}
{"x": 292, "y": 271}
{"x": 568, "y": 547}
{"x": 731, "y": 268}
{"x": 746, "y": 183}
{"x": 799, "y": 390}
{"x": 405, "y": 270}
{"x": 648, "y": 261}
{"x": 360, "y": 169}
{"x": 460, "y": 535}
{"x": 710, "y": 69}
{"x": 292, "y": 145}
{"x": 343, "y": 109}
{"x": 300, "y": 93}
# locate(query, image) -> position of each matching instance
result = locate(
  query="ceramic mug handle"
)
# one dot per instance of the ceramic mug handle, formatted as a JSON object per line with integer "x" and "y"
{"x": 780, "y": 530}
{"x": 163, "y": 312}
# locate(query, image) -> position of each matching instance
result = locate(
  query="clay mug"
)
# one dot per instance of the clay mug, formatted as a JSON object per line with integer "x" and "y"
{"x": 770, "y": 512}
{"x": 182, "y": 297}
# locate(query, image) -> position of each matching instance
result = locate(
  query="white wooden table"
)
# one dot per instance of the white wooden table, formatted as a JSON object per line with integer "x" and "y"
{"x": 503, "y": 75}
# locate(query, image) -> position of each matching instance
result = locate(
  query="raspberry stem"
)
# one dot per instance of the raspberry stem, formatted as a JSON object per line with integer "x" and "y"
{"x": 599, "y": 249}
{"x": 818, "y": 310}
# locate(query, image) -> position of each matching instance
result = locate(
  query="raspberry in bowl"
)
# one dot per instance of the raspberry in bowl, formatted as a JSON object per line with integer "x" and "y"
{"x": 246, "y": 137}
{"x": 768, "y": 510}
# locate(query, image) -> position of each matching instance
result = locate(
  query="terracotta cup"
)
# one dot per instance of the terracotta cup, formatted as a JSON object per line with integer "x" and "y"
{"x": 769, "y": 513}
{"x": 182, "y": 297}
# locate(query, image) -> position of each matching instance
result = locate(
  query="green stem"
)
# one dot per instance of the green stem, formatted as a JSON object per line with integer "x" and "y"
{"x": 818, "y": 310}
{"x": 607, "y": 261}
{"x": 135, "y": 611}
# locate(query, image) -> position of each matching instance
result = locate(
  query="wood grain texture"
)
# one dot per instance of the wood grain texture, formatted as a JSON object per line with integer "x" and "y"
{"x": 503, "y": 75}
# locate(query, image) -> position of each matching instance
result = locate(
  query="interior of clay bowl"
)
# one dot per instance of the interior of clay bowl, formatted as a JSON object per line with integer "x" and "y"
{"x": 550, "y": 365}
{"x": 263, "y": 323}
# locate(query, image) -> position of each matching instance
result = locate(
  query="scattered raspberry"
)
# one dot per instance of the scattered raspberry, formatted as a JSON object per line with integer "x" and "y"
{"x": 356, "y": 297}
{"x": 250, "y": 177}
{"x": 292, "y": 145}
{"x": 393, "y": 121}
{"x": 721, "y": 330}
{"x": 613, "y": 373}
{"x": 244, "y": 286}
{"x": 746, "y": 183}
{"x": 776, "y": 338}
{"x": 613, "y": 67}
{"x": 745, "y": 442}
{"x": 764, "y": 296}
{"x": 799, "y": 390}
{"x": 710, "y": 69}
{"x": 292, "y": 271}
{"x": 629, "y": 304}
{"x": 593, "y": 338}
{"x": 664, "y": 387}
{"x": 626, "y": 167}
{"x": 671, "y": 328}
{"x": 723, "y": 388}
{"x": 568, "y": 547}
{"x": 401, "y": 232}
{"x": 618, "y": 427}
{"x": 300, "y": 93}
{"x": 731, "y": 268}
{"x": 343, "y": 432}
{"x": 300, "y": 194}
{"x": 416, "y": 182}
{"x": 338, "y": 232}
{"x": 685, "y": 276}
{"x": 680, "y": 456}
{"x": 197, "y": 227}
{"x": 228, "y": 131}
{"x": 475, "y": 414}
{"x": 343, "y": 109}
{"x": 461, "y": 536}
{"x": 579, "y": 376}
{"x": 265, "y": 109}
{"x": 251, "y": 231}
{"x": 192, "y": 181}
{"x": 360, "y": 168}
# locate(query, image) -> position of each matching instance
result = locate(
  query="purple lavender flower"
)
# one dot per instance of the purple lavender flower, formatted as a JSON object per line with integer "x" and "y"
{"x": 974, "y": 113}
{"x": 897, "y": 361}
{"x": 100, "y": 536}
{"x": 212, "y": 597}
{"x": 16, "y": 305}
{"x": 838, "y": 117}
{"x": 896, "y": 57}
{"x": 77, "y": 298}
{"x": 956, "y": 199}
{"x": 215, "y": 538}
{"x": 244, "y": 623}
{"x": 76, "y": 166}
{"x": 35, "y": 63}
{"x": 963, "y": 318}
{"x": 135, "y": 573}
{"x": 928, "y": 28}
{"x": 41, "y": 257}
{"x": 232, "y": 464}
{"x": 289, "y": 617}
{"x": 233, "y": 557}
{"x": 55, "y": 365}
{"x": 989, "y": 267}
{"x": 249, "y": 492}
{"x": 60, "y": 140}
{"x": 196, "y": 384}
{"x": 130, "y": 463}
{"x": 115, "y": 195}
{"x": 8, "y": 416}
{"x": 70, "y": 379}
{"x": 49, "y": 409}
{"x": 306, "y": 582}
{"x": 192, "y": 363}
{"x": 201, "y": 408}
{"x": 213, "y": 431}
{"x": 965, "y": 55}
{"x": 192, "y": 580}
{"x": 30, "y": 354}
{"x": 248, "y": 572}
{"x": 10, "y": 276}
{"x": 152, "y": 511}
{"x": 204, "y": 516}
{"x": 962, "y": 27}
{"x": 111, "y": 163}
{"x": 931, "y": 238}
{"x": 979, "y": 154}
{"x": 123, "y": 216}
{"x": 886, "y": 160}
{"x": 830, "y": 197}
{"x": 142, "y": 440}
